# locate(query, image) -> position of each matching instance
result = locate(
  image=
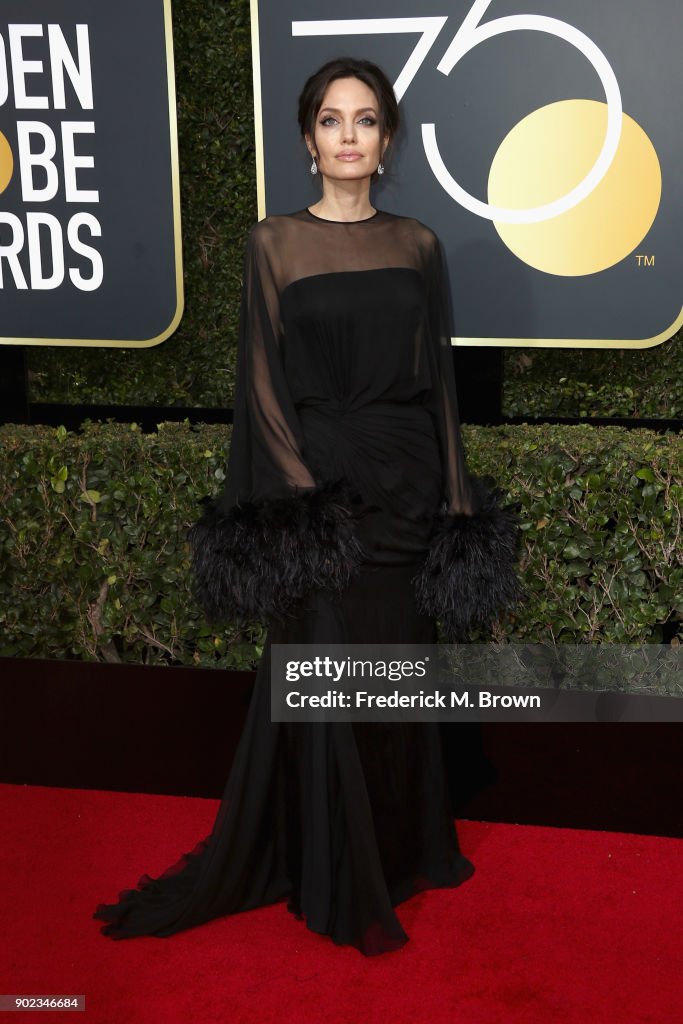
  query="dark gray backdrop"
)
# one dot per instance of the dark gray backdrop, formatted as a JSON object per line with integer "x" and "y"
{"x": 131, "y": 148}
{"x": 495, "y": 294}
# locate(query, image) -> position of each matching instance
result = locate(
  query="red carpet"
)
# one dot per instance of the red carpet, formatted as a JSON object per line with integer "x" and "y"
{"x": 557, "y": 926}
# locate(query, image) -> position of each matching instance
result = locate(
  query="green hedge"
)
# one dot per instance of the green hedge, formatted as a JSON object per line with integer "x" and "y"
{"x": 218, "y": 195}
{"x": 94, "y": 563}
{"x": 629, "y": 383}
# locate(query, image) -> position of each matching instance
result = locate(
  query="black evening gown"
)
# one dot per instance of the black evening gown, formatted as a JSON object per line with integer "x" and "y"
{"x": 346, "y": 495}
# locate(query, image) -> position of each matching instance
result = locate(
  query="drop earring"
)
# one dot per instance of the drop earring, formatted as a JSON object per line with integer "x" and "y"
{"x": 380, "y": 168}
{"x": 314, "y": 167}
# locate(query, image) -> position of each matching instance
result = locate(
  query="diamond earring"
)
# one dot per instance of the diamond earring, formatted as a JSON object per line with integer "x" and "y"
{"x": 314, "y": 167}
{"x": 380, "y": 169}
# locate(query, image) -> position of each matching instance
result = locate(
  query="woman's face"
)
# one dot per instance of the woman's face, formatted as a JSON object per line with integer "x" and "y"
{"x": 346, "y": 140}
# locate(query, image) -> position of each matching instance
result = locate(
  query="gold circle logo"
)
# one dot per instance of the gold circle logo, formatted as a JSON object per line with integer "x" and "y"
{"x": 6, "y": 163}
{"x": 544, "y": 157}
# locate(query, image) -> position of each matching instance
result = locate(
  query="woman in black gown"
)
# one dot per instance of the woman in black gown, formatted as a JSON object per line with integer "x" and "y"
{"x": 347, "y": 516}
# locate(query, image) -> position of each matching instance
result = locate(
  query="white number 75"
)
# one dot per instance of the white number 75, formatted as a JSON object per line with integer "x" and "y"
{"x": 469, "y": 35}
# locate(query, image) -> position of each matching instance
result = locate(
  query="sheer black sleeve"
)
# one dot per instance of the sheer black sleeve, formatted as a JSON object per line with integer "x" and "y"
{"x": 273, "y": 532}
{"x": 468, "y": 578}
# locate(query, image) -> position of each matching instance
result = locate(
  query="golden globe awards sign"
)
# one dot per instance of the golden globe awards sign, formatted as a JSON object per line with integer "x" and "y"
{"x": 541, "y": 141}
{"x": 89, "y": 197}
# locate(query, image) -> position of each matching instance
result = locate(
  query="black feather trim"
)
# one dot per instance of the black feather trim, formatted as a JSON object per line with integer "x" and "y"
{"x": 253, "y": 560}
{"x": 468, "y": 578}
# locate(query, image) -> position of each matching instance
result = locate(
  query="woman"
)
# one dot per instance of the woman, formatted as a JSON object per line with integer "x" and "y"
{"x": 347, "y": 516}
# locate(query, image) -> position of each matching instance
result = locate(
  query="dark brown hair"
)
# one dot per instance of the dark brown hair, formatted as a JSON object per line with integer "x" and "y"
{"x": 313, "y": 93}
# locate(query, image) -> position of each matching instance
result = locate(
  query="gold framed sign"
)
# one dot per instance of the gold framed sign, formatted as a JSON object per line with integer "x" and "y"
{"x": 540, "y": 141}
{"x": 90, "y": 245}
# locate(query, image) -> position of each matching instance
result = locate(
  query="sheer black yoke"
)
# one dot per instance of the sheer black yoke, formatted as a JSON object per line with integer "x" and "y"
{"x": 346, "y": 408}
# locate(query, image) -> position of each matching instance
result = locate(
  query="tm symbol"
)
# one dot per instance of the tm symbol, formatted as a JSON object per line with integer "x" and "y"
{"x": 645, "y": 261}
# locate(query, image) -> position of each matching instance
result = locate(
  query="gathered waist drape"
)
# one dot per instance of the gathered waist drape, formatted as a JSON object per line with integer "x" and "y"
{"x": 388, "y": 451}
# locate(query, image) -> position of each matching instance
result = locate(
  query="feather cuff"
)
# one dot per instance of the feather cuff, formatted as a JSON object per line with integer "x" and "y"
{"x": 468, "y": 578}
{"x": 252, "y": 561}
